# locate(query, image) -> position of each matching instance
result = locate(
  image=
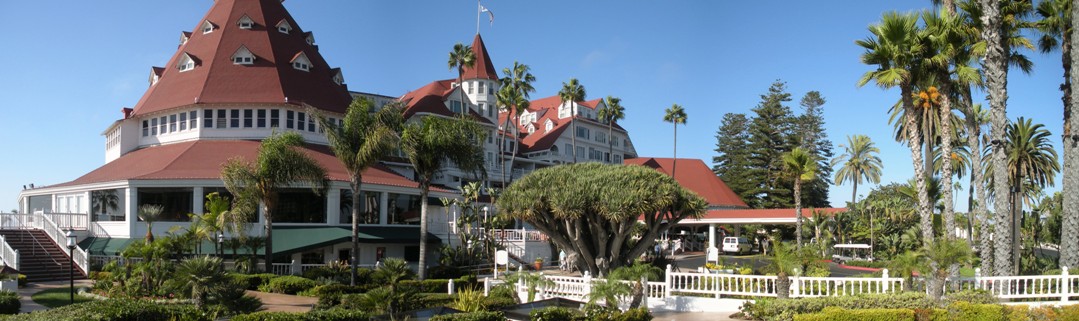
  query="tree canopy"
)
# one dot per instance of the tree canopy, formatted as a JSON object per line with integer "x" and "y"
{"x": 591, "y": 209}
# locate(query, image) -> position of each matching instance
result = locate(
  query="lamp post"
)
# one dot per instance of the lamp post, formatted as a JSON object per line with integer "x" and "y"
{"x": 220, "y": 244}
{"x": 71, "y": 268}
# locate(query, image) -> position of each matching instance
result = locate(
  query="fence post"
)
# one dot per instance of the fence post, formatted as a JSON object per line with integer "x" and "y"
{"x": 887, "y": 284}
{"x": 294, "y": 268}
{"x": 646, "y": 291}
{"x": 16, "y": 263}
{"x": 449, "y": 287}
{"x": 521, "y": 294}
{"x": 978, "y": 278}
{"x": 667, "y": 283}
{"x": 587, "y": 289}
{"x": 796, "y": 292}
{"x": 1066, "y": 281}
{"x": 486, "y": 286}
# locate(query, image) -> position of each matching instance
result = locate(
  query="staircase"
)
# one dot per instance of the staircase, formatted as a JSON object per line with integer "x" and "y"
{"x": 40, "y": 258}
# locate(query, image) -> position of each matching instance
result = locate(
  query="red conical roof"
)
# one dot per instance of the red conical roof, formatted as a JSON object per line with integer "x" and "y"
{"x": 482, "y": 67}
{"x": 271, "y": 78}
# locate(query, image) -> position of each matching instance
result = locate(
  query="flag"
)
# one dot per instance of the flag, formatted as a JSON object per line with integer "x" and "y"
{"x": 489, "y": 13}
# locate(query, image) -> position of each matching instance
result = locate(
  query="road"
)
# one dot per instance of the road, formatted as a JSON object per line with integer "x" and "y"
{"x": 692, "y": 260}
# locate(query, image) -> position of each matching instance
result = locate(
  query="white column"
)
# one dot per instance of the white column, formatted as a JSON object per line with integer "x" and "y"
{"x": 198, "y": 201}
{"x": 383, "y": 207}
{"x": 711, "y": 236}
{"x": 131, "y": 203}
{"x": 333, "y": 205}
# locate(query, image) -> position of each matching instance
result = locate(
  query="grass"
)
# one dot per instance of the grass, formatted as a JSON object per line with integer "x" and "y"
{"x": 57, "y": 297}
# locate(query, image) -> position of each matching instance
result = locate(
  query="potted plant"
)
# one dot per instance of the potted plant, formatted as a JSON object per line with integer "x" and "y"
{"x": 538, "y": 264}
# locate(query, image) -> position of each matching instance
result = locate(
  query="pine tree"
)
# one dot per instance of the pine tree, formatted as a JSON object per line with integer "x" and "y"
{"x": 732, "y": 162}
{"x": 769, "y": 138}
{"x": 813, "y": 138}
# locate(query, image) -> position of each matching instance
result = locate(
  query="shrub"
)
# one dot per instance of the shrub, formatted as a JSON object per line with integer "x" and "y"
{"x": 837, "y": 314}
{"x": 431, "y": 300}
{"x": 554, "y": 314}
{"x": 316, "y": 315}
{"x": 785, "y": 309}
{"x": 440, "y": 285}
{"x": 9, "y": 302}
{"x": 496, "y": 303}
{"x": 868, "y": 264}
{"x": 328, "y": 295}
{"x": 1069, "y": 313}
{"x": 121, "y": 309}
{"x": 469, "y": 301}
{"x": 473, "y": 316}
{"x": 337, "y": 272}
{"x": 971, "y": 296}
{"x": 444, "y": 272}
{"x": 601, "y": 313}
{"x": 288, "y": 284}
{"x": 962, "y": 311}
{"x": 22, "y": 280}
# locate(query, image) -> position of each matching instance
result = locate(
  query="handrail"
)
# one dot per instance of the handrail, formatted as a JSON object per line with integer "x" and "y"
{"x": 9, "y": 255}
{"x": 37, "y": 244}
{"x": 57, "y": 235}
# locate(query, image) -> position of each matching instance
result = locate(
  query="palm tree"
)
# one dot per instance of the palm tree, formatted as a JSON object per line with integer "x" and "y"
{"x": 1056, "y": 28}
{"x": 859, "y": 162}
{"x": 202, "y": 275}
{"x": 905, "y": 264}
{"x": 362, "y": 138}
{"x": 279, "y": 164}
{"x": 677, "y": 115}
{"x": 571, "y": 93}
{"x": 799, "y": 165}
{"x": 516, "y": 85}
{"x": 941, "y": 255}
{"x": 104, "y": 200}
{"x": 149, "y": 213}
{"x": 611, "y": 112}
{"x": 462, "y": 57}
{"x": 637, "y": 274}
{"x": 253, "y": 244}
{"x": 608, "y": 290}
{"x": 785, "y": 262}
{"x": 896, "y": 48}
{"x": 1031, "y": 158}
{"x": 975, "y": 118}
{"x": 429, "y": 145}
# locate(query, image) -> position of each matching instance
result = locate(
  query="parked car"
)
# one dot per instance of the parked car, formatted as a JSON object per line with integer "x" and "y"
{"x": 852, "y": 252}
{"x": 736, "y": 245}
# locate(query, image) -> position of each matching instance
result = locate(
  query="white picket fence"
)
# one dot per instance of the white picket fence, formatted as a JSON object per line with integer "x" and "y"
{"x": 702, "y": 289}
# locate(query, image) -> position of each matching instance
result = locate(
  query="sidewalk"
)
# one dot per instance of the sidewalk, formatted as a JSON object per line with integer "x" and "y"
{"x": 28, "y": 305}
{"x": 283, "y": 302}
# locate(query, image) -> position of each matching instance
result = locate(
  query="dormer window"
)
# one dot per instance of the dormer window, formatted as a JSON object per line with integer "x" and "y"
{"x": 310, "y": 37}
{"x": 338, "y": 78}
{"x": 207, "y": 27}
{"x": 284, "y": 27}
{"x": 243, "y": 56}
{"x": 184, "y": 36}
{"x": 548, "y": 126}
{"x": 300, "y": 62}
{"x": 155, "y": 74}
{"x": 187, "y": 62}
{"x": 245, "y": 22}
{"x": 530, "y": 128}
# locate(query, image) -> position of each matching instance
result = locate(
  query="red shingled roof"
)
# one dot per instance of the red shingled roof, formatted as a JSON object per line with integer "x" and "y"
{"x": 271, "y": 79}
{"x": 772, "y": 215}
{"x": 694, "y": 175}
{"x": 482, "y": 67}
{"x": 431, "y": 99}
{"x": 203, "y": 159}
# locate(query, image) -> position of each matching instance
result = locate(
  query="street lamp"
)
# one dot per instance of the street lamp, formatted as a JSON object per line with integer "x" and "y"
{"x": 220, "y": 244}
{"x": 71, "y": 268}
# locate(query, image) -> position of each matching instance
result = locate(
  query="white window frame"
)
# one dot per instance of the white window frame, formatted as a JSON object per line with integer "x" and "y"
{"x": 245, "y": 22}
{"x": 207, "y": 27}
{"x": 284, "y": 27}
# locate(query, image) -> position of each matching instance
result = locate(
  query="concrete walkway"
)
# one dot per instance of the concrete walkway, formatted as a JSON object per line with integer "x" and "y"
{"x": 28, "y": 305}
{"x": 693, "y": 316}
{"x": 283, "y": 302}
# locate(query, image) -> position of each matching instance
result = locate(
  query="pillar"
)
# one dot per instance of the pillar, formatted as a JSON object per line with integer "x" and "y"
{"x": 131, "y": 203}
{"x": 711, "y": 236}
{"x": 197, "y": 201}
{"x": 333, "y": 205}
{"x": 383, "y": 207}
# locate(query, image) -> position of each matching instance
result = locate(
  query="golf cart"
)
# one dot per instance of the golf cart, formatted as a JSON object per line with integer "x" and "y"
{"x": 851, "y": 252}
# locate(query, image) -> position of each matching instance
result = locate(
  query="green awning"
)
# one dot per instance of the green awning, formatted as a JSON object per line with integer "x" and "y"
{"x": 288, "y": 239}
{"x": 104, "y": 245}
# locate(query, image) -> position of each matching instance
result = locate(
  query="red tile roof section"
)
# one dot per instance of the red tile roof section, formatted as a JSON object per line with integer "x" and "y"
{"x": 203, "y": 159}
{"x": 269, "y": 80}
{"x": 694, "y": 175}
{"x": 432, "y": 98}
{"x": 547, "y": 108}
{"x": 772, "y": 213}
{"x": 482, "y": 67}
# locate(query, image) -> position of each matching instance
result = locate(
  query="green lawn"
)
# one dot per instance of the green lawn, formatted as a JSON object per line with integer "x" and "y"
{"x": 57, "y": 297}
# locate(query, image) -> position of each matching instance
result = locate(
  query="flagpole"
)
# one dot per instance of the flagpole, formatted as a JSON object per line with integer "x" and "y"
{"x": 478, "y": 12}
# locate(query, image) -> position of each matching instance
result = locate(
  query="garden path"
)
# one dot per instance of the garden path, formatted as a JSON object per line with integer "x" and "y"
{"x": 283, "y": 302}
{"x": 28, "y": 305}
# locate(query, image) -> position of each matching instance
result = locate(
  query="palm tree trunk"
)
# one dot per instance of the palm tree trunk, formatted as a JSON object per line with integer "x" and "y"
{"x": 946, "y": 166}
{"x": 919, "y": 170}
{"x": 502, "y": 145}
{"x": 674, "y": 166}
{"x": 996, "y": 73}
{"x": 798, "y": 210}
{"x": 573, "y": 136}
{"x": 1017, "y": 215}
{"x": 425, "y": 188}
{"x": 977, "y": 185}
{"x": 357, "y": 195}
{"x": 854, "y": 194}
{"x": 1069, "y": 247}
{"x": 513, "y": 156}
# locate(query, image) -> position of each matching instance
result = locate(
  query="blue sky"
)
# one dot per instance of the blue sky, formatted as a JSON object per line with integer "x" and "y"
{"x": 71, "y": 66}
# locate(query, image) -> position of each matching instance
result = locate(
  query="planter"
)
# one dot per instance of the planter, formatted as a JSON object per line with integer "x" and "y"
{"x": 9, "y": 285}
{"x": 538, "y": 265}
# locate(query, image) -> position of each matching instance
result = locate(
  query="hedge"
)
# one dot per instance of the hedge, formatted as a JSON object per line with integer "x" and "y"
{"x": 838, "y": 314}
{"x": 555, "y": 314}
{"x": 288, "y": 284}
{"x": 120, "y": 309}
{"x": 9, "y": 302}
{"x": 316, "y": 315}
{"x": 472, "y": 316}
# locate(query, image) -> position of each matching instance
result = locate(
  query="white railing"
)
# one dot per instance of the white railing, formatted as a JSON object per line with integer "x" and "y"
{"x": 17, "y": 221}
{"x": 721, "y": 284}
{"x": 70, "y": 221}
{"x": 655, "y": 290}
{"x": 60, "y": 238}
{"x": 9, "y": 255}
{"x": 283, "y": 268}
{"x": 1052, "y": 287}
{"x": 829, "y": 286}
{"x": 567, "y": 287}
{"x": 517, "y": 235}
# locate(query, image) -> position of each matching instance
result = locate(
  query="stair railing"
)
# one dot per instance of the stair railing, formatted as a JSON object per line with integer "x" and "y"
{"x": 9, "y": 255}
{"x": 60, "y": 238}
{"x": 36, "y": 245}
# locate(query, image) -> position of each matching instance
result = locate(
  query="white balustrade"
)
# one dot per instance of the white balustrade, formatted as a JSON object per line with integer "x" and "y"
{"x": 58, "y": 236}
{"x": 70, "y": 221}
{"x": 9, "y": 255}
{"x": 281, "y": 268}
{"x": 831, "y": 286}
